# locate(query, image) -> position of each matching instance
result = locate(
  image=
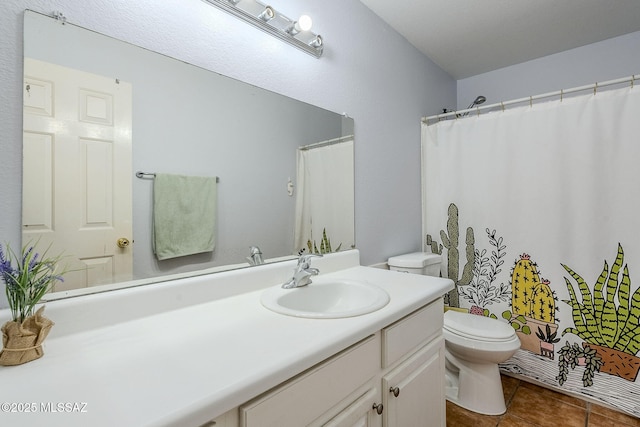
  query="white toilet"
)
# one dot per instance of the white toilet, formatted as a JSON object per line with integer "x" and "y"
{"x": 474, "y": 345}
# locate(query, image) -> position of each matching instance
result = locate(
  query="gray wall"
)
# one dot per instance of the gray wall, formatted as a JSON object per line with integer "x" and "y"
{"x": 607, "y": 60}
{"x": 368, "y": 71}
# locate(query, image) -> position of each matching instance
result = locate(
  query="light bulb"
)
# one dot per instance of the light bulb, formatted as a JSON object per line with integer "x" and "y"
{"x": 304, "y": 23}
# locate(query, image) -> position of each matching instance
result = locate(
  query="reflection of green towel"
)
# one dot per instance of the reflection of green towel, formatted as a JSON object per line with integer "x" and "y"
{"x": 184, "y": 215}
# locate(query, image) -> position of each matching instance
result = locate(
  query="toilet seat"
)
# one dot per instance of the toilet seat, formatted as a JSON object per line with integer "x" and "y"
{"x": 477, "y": 328}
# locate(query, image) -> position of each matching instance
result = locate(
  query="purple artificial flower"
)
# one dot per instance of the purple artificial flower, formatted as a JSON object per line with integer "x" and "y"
{"x": 27, "y": 282}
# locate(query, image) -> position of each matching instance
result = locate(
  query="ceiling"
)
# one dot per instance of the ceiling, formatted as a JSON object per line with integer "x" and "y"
{"x": 469, "y": 37}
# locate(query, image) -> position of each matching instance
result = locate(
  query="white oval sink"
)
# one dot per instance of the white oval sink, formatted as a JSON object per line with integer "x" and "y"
{"x": 326, "y": 299}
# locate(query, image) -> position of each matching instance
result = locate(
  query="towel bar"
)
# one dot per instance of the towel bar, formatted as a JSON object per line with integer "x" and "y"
{"x": 151, "y": 175}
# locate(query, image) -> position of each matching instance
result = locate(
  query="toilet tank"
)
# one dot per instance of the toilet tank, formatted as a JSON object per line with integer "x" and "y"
{"x": 425, "y": 263}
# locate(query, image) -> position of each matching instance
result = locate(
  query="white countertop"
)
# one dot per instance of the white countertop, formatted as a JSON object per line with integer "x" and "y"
{"x": 186, "y": 365}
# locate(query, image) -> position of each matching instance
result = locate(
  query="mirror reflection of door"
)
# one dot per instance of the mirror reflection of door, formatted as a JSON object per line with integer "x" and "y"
{"x": 77, "y": 172}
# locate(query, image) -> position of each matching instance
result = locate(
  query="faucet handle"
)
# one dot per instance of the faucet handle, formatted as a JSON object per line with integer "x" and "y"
{"x": 303, "y": 272}
{"x": 306, "y": 259}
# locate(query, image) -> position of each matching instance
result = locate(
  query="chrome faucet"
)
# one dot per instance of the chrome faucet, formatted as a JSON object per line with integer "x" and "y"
{"x": 256, "y": 256}
{"x": 303, "y": 272}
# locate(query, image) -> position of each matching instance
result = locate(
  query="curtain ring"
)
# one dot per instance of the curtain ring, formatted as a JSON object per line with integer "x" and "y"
{"x": 595, "y": 88}
{"x": 561, "y": 94}
{"x": 502, "y": 105}
{"x": 530, "y": 101}
{"x": 633, "y": 78}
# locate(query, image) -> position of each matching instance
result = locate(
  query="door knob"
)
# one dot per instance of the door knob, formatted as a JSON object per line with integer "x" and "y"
{"x": 123, "y": 242}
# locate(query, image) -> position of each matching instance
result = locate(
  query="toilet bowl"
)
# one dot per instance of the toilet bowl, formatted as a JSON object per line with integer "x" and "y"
{"x": 474, "y": 346}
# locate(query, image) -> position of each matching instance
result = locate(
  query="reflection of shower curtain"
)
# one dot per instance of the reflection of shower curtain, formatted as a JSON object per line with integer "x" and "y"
{"x": 535, "y": 199}
{"x": 325, "y": 195}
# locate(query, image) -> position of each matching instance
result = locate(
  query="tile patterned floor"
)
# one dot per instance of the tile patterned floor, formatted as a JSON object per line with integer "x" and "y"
{"x": 529, "y": 405}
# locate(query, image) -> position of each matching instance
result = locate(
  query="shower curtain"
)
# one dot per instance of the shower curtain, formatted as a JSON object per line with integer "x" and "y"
{"x": 536, "y": 211}
{"x": 325, "y": 197}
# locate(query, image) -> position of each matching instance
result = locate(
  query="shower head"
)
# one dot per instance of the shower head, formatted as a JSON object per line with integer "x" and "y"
{"x": 479, "y": 100}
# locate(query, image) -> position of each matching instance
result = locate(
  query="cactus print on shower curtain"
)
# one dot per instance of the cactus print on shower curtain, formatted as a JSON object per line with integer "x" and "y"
{"x": 531, "y": 295}
{"x": 450, "y": 240}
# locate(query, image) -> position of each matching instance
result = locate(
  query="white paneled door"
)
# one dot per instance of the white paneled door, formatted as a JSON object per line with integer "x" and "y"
{"x": 77, "y": 171}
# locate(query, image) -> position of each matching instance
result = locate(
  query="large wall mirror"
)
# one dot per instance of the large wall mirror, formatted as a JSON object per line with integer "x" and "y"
{"x": 97, "y": 110}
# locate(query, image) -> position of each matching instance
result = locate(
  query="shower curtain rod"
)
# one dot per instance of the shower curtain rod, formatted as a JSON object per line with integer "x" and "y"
{"x": 327, "y": 142}
{"x": 530, "y": 99}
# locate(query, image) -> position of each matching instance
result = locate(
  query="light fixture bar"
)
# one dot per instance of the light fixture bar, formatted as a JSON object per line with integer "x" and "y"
{"x": 233, "y": 7}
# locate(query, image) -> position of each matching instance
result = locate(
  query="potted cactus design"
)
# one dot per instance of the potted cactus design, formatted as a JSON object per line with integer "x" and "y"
{"x": 547, "y": 340}
{"x": 533, "y": 299}
{"x": 608, "y": 320}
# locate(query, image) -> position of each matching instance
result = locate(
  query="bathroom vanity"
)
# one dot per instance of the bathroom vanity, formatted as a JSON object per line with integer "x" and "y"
{"x": 394, "y": 378}
{"x": 203, "y": 351}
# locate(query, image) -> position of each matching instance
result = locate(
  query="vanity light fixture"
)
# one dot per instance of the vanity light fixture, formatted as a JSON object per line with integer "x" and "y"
{"x": 302, "y": 24}
{"x": 267, "y": 14}
{"x": 316, "y": 43}
{"x": 266, "y": 18}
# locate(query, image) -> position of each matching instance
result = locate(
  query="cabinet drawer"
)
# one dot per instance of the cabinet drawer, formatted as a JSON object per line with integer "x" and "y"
{"x": 412, "y": 331}
{"x": 306, "y": 397}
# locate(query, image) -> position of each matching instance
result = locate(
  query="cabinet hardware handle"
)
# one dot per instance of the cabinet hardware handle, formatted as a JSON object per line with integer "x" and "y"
{"x": 378, "y": 407}
{"x": 395, "y": 391}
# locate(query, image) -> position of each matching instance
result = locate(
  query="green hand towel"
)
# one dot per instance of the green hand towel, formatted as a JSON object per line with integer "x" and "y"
{"x": 184, "y": 215}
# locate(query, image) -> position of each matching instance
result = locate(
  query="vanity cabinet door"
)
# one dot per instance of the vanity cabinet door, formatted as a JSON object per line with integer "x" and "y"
{"x": 228, "y": 419}
{"x": 413, "y": 392}
{"x": 360, "y": 413}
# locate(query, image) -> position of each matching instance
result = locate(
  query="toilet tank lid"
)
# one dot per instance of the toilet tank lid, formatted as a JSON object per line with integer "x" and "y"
{"x": 414, "y": 260}
{"x": 476, "y": 326}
